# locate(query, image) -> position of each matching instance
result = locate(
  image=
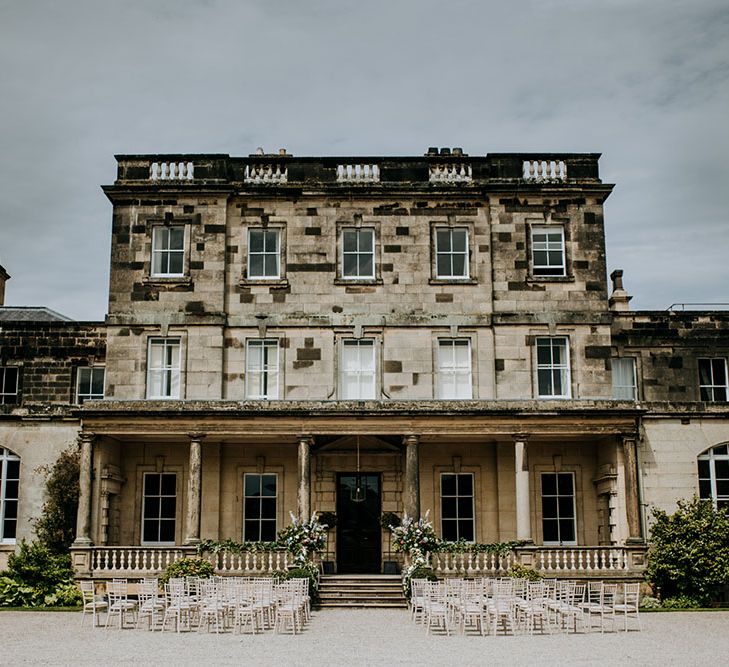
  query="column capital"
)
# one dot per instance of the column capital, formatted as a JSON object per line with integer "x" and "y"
{"x": 196, "y": 436}
{"x": 411, "y": 439}
{"x": 87, "y": 436}
{"x": 520, "y": 437}
{"x": 305, "y": 438}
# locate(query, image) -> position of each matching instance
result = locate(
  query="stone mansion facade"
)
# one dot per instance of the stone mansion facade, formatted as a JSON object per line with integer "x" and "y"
{"x": 359, "y": 335}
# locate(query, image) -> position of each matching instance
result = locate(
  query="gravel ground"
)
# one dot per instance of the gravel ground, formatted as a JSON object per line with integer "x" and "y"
{"x": 361, "y": 637}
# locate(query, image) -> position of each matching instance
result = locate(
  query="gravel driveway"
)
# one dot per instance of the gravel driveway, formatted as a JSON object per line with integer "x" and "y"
{"x": 361, "y": 637}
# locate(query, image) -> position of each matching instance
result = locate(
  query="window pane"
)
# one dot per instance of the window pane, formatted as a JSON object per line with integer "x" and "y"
{"x": 177, "y": 238}
{"x": 167, "y": 507}
{"x": 549, "y": 484}
{"x": 11, "y": 509}
{"x": 459, "y": 265}
{"x": 97, "y": 381}
{"x": 271, "y": 265}
{"x": 544, "y": 352}
{"x": 566, "y": 507}
{"x": 366, "y": 240}
{"x": 465, "y": 530}
{"x": 151, "y": 485}
{"x": 268, "y": 508}
{"x": 443, "y": 265}
{"x": 11, "y": 489}
{"x": 450, "y": 530}
{"x": 256, "y": 266}
{"x": 256, "y": 240}
{"x": 349, "y": 265}
{"x": 268, "y": 531}
{"x": 443, "y": 241}
{"x": 252, "y": 508}
{"x": 149, "y": 531}
{"x": 722, "y": 487}
{"x": 151, "y": 508}
{"x": 719, "y": 368}
{"x": 704, "y": 469}
{"x": 459, "y": 237}
{"x": 448, "y": 485}
{"x": 705, "y": 371}
{"x": 705, "y": 489}
{"x": 549, "y": 507}
{"x": 269, "y": 485}
{"x": 449, "y": 507}
{"x": 175, "y": 262}
{"x": 169, "y": 484}
{"x": 544, "y": 378}
{"x": 349, "y": 241}
{"x": 12, "y": 469}
{"x": 9, "y": 528}
{"x": 465, "y": 508}
{"x": 721, "y": 466}
{"x": 465, "y": 485}
{"x": 720, "y": 450}
{"x": 251, "y": 531}
{"x": 365, "y": 265}
{"x": 565, "y": 484}
{"x": 550, "y": 530}
{"x": 166, "y": 531}
{"x": 567, "y": 530}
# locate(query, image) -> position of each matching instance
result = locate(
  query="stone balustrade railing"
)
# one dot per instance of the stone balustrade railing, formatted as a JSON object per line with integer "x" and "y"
{"x": 542, "y": 171}
{"x": 358, "y": 173}
{"x": 451, "y": 172}
{"x": 132, "y": 562}
{"x": 266, "y": 172}
{"x": 171, "y": 171}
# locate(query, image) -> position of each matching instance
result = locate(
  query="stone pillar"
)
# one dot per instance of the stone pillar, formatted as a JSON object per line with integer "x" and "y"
{"x": 83, "y": 518}
{"x": 304, "y": 470}
{"x": 411, "y": 493}
{"x": 523, "y": 496}
{"x": 194, "y": 490}
{"x": 632, "y": 496}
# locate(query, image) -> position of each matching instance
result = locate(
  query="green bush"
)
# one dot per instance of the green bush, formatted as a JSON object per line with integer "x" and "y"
{"x": 37, "y": 577}
{"x": 310, "y": 572}
{"x": 680, "y": 602}
{"x": 422, "y": 572}
{"x": 648, "y": 602}
{"x": 188, "y": 567}
{"x": 689, "y": 552}
{"x": 518, "y": 571}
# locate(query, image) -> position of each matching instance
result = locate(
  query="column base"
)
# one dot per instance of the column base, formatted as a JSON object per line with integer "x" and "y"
{"x": 81, "y": 542}
{"x": 191, "y": 542}
{"x": 634, "y": 542}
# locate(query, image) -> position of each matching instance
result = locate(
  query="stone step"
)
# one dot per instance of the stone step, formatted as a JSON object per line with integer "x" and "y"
{"x": 354, "y": 590}
{"x": 353, "y": 604}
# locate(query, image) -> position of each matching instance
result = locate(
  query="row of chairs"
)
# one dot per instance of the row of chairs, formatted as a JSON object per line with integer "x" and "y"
{"x": 517, "y": 606}
{"x": 221, "y": 604}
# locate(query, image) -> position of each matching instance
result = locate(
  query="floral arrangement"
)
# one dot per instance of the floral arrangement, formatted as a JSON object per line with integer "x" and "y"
{"x": 416, "y": 538}
{"x": 301, "y": 538}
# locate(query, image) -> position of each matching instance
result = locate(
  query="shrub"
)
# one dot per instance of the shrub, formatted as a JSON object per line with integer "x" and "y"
{"x": 648, "y": 602}
{"x": 518, "y": 571}
{"x": 689, "y": 552}
{"x": 390, "y": 520}
{"x": 56, "y": 528}
{"x": 328, "y": 519}
{"x": 188, "y": 567}
{"x": 680, "y": 602}
{"x": 420, "y": 572}
{"x": 308, "y": 571}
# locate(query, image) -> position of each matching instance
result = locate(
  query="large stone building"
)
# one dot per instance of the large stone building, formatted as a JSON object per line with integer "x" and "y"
{"x": 402, "y": 334}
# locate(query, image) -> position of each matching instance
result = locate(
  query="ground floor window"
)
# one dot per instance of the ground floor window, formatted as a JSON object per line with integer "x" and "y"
{"x": 456, "y": 507}
{"x": 259, "y": 507}
{"x": 9, "y": 483}
{"x": 159, "y": 510}
{"x": 558, "y": 508}
{"x": 714, "y": 475}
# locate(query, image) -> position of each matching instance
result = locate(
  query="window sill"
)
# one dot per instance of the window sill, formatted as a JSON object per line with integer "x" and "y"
{"x": 167, "y": 280}
{"x": 453, "y": 281}
{"x": 550, "y": 279}
{"x": 358, "y": 281}
{"x": 265, "y": 282}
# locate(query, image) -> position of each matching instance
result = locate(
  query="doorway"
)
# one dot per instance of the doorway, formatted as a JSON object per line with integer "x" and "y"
{"x": 359, "y": 534}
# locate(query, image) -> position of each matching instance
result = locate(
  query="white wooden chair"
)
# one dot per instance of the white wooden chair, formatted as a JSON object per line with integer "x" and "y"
{"x": 119, "y": 604}
{"x": 93, "y": 603}
{"x": 437, "y": 611}
{"x": 151, "y": 605}
{"x": 630, "y": 606}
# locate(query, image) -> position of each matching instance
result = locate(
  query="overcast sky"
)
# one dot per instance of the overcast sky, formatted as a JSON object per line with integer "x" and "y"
{"x": 646, "y": 83}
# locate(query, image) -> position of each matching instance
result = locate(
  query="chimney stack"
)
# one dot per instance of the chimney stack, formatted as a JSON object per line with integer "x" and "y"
{"x": 4, "y": 277}
{"x": 619, "y": 299}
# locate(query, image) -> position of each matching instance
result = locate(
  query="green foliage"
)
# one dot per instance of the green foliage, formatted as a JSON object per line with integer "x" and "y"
{"x": 390, "y": 520}
{"x": 518, "y": 571}
{"x": 38, "y": 577}
{"x": 680, "y": 602}
{"x": 328, "y": 519}
{"x": 56, "y": 528}
{"x": 648, "y": 602}
{"x": 233, "y": 547}
{"x": 501, "y": 549}
{"x": 689, "y": 552}
{"x": 307, "y": 571}
{"x": 188, "y": 567}
{"x": 420, "y": 572}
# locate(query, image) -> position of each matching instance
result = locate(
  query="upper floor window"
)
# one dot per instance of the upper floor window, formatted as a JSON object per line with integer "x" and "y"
{"x": 553, "y": 368}
{"x": 89, "y": 384}
{"x": 264, "y": 254}
{"x": 159, "y": 508}
{"x": 357, "y": 369}
{"x": 548, "y": 256}
{"x": 558, "y": 508}
{"x": 624, "y": 385}
{"x": 8, "y": 385}
{"x": 714, "y": 475}
{"x": 358, "y": 253}
{"x": 713, "y": 379}
{"x": 259, "y": 507}
{"x": 454, "y": 368}
{"x": 9, "y": 485}
{"x": 168, "y": 251}
{"x": 456, "y": 507}
{"x": 262, "y": 369}
{"x": 163, "y": 368}
{"x": 451, "y": 253}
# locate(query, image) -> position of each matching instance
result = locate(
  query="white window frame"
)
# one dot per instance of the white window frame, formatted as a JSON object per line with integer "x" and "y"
{"x": 259, "y": 519}
{"x": 630, "y": 390}
{"x": 6, "y": 456}
{"x": 562, "y": 368}
{"x": 557, "y": 495}
{"x": 457, "y": 518}
{"x": 167, "y": 370}
{"x": 365, "y": 374}
{"x": 450, "y": 253}
{"x": 266, "y": 232}
{"x": 714, "y": 387}
{"x": 163, "y": 255}
{"x": 4, "y": 394}
{"x": 448, "y": 367}
{"x": 357, "y": 253}
{"x": 262, "y": 383}
{"x": 548, "y": 270}
{"x": 711, "y": 456}
{"x": 159, "y": 518}
{"x": 82, "y": 396}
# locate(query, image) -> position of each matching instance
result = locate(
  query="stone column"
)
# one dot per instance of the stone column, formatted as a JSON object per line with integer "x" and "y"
{"x": 523, "y": 496}
{"x": 411, "y": 493}
{"x": 304, "y": 470}
{"x": 632, "y": 499}
{"x": 194, "y": 490}
{"x": 83, "y": 518}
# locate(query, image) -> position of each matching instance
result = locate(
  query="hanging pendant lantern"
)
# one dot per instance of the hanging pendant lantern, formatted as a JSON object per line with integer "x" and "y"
{"x": 359, "y": 492}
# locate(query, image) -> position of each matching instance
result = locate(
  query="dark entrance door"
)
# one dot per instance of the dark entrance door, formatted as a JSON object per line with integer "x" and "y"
{"x": 358, "y": 523}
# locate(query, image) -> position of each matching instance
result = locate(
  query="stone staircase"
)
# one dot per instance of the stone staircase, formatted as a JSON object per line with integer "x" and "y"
{"x": 361, "y": 590}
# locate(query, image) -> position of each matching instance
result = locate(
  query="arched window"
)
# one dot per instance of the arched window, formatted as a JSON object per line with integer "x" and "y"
{"x": 9, "y": 479}
{"x": 714, "y": 475}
